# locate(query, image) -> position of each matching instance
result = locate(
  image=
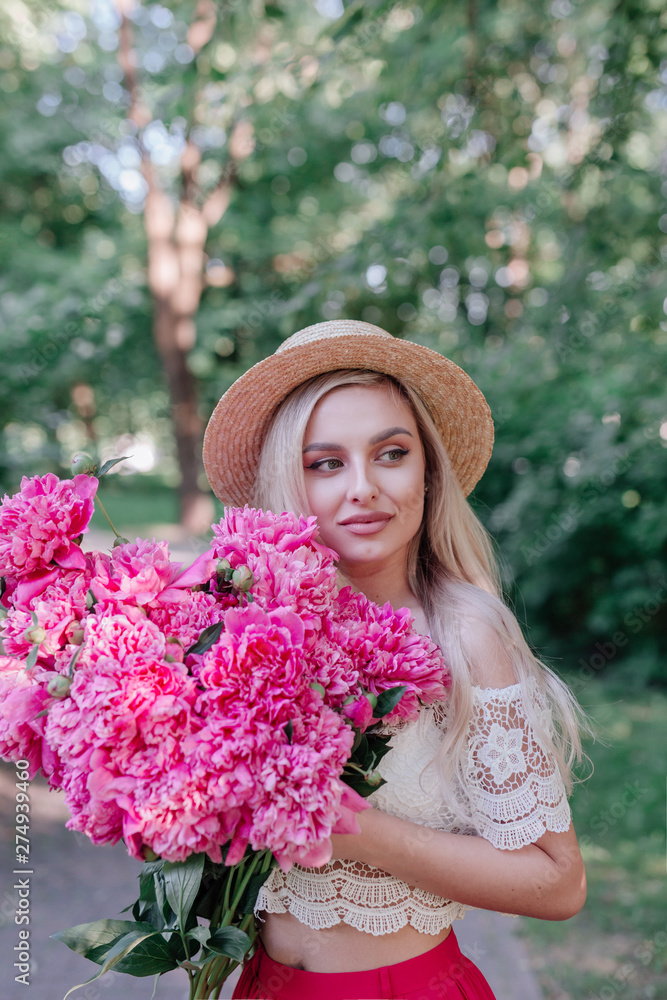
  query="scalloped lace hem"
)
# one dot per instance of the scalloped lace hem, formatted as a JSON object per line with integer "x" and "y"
{"x": 320, "y": 916}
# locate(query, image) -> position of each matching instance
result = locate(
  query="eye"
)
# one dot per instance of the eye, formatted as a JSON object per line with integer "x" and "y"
{"x": 394, "y": 454}
{"x": 326, "y": 464}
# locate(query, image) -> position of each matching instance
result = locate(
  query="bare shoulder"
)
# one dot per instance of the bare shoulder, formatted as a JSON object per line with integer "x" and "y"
{"x": 488, "y": 655}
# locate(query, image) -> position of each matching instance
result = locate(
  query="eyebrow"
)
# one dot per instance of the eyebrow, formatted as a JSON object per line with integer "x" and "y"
{"x": 382, "y": 436}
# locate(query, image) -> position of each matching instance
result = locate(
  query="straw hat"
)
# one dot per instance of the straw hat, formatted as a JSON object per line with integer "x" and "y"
{"x": 236, "y": 430}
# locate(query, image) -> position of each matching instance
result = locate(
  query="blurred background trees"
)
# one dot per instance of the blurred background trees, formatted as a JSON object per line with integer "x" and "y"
{"x": 184, "y": 185}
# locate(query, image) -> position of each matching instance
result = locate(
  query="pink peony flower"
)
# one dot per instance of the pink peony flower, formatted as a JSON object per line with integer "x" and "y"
{"x": 39, "y": 524}
{"x": 388, "y": 653}
{"x": 60, "y": 610}
{"x": 330, "y": 662}
{"x": 187, "y": 619}
{"x": 255, "y": 669}
{"x": 303, "y": 796}
{"x": 123, "y": 723}
{"x": 359, "y": 712}
{"x": 141, "y": 572}
{"x": 242, "y": 745}
{"x": 22, "y": 698}
{"x": 290, "y": 568}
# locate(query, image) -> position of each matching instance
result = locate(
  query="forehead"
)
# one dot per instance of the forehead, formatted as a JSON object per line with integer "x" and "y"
{"x": 358, "y": 407}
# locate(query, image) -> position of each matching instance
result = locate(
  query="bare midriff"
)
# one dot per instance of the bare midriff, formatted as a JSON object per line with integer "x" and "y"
{"x": 340, "y": 948}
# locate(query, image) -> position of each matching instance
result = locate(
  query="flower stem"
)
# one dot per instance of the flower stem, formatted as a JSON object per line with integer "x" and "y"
{"x": 101, "y": 506}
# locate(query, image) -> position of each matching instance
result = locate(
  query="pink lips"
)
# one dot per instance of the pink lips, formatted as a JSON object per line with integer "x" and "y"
{"x": 366, "y": 524}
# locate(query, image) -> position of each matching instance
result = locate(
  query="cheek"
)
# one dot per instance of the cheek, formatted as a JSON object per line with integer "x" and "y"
{"x": 319, "y": 497}
{"x": 412, "y": 499}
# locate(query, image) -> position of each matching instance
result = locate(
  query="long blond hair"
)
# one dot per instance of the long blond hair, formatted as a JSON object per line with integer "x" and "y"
{"x": 452, "y": 571}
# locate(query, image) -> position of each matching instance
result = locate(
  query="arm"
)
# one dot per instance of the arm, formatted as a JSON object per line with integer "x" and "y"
{"x": 545, "y": 878}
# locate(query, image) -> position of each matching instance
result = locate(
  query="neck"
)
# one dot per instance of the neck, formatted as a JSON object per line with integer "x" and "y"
{"x": 382, "y": 582}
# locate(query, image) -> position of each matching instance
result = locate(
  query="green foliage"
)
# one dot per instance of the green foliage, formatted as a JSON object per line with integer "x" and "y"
{"x": 483, "y": 179}
{"x": 619, "y": 818}
{"x": 166, "y": 933}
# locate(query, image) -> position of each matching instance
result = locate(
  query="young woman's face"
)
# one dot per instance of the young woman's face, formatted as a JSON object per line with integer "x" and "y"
{"x": 364, "y": 470}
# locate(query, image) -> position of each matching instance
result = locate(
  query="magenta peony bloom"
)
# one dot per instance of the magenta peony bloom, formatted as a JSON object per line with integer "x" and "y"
{"x": 60, "y": 610}
{"x": 22, "y": 697}
{"x": 122, "y": 724}
{"x": 255, "y": 669}
{"x": 304, "y": 792}
{"x": 39, "y": 524}
{"x": 290, "y": 568}
{"x": 141, "y": 572}
{"x": 243, "y": 744}
{"x": 187, "y": 619}
{"x": 388, "y": 653}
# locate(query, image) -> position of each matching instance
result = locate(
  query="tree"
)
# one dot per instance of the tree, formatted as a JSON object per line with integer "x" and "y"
{"x": 482, "y": 178}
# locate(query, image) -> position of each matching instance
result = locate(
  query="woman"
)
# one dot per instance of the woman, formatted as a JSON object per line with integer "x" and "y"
{"x": 383, "y": 439}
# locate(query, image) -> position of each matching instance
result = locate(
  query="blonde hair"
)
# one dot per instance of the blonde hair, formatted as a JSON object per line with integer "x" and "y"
{"x": 452, "y": 571}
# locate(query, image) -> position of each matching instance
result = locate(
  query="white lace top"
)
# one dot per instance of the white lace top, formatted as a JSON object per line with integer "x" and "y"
{"x": 514, "y": 794}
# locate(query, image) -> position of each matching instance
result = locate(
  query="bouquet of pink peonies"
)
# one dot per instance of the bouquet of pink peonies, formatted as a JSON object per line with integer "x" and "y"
{"x": 215, "y": 718}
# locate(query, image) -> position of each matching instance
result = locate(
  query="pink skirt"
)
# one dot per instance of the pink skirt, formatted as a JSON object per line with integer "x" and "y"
{"x": 443, "y": 973}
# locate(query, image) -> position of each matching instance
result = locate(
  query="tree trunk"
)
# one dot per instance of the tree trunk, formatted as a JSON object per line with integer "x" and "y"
{"x": 196, "y": 507}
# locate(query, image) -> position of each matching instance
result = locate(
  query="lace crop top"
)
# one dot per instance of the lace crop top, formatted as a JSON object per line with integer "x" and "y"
{"x": 514, "y": 794}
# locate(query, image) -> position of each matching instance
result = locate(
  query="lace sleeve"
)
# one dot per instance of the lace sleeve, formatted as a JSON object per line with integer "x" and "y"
{"x": 515, "y": 789}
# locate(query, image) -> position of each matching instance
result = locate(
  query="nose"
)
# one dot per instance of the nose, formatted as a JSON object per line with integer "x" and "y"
{"x": 362, "y": 487}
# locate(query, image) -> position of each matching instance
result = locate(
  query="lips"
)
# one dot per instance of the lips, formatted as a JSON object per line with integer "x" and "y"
{"x": 369, "y": 517}
{"x": 369, "y": 523}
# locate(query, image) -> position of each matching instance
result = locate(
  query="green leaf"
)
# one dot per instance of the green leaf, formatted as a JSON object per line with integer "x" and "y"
{"x": 388, "y": 700}
{"x": 229, "y": 941}
{"x": 357, "y": 782}
{"x": 208, "y": 638}
{"x": 161, "y": 898}
{"x": 249, "y": 897}
{"x": 147, "y": 880}
{"x": 199, "y": 933}
{"x": 182, "y": 880}
{"x": 142, "y": 954}
{"x": 75, "y": 657}
{"x": 289, "y": 730}
{"x": 109, "y": 465}
{"x": 94, "y": 940}
{"x": 32, "y": 658}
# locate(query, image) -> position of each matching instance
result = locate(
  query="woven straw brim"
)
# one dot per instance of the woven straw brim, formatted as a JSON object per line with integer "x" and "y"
{"x": 238, "y": 425}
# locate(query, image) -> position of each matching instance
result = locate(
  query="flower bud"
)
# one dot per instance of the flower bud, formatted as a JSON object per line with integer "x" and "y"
{"x": 242, "y": 578}
{"x": 374, "y": 779}
{"x": 74, "y": 633}
{"x": 224, "y": 567}
{"x": 91, "y": 600}
{"x": 35, "y": 634}
{"x": 148, "y": 854}
{"x": 83, "y": 464}
{"x": 119, "y": 540}
{"x": 58, "y": 686}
